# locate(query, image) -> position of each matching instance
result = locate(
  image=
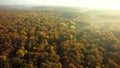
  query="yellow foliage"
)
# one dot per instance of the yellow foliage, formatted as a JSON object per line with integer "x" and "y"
{"x": 63, "y": 24}
{"x": 25, "y": 51}
{"x": 21, "y": 53}
{"x": 71, "y": 65}
{"x": 42, "y": 33}
{"x": 73, "y": 23}
{"x": 22, "y": 47}
{"x": 34, "y": 48}
{"x": 32, "y": 37}
{"x": 72, "y": 27}
{"x": 38, "y": 19}
{"x": 98, "y": 66}
{"x": 47, "y": 37}
{"x": 23, "y": 32}
{"x": 52, "y": 48}
{"x": 3, "y": 58}
{"x": 42, "y": 46}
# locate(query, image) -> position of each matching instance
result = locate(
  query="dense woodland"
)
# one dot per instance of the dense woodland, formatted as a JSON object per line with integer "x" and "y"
{"x": 55, "y": 39}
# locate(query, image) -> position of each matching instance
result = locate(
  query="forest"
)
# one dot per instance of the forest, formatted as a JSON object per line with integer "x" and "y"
{"x": 56, "y": 38}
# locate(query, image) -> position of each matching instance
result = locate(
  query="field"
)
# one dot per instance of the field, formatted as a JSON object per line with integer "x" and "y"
{"x": 59, "y": 37}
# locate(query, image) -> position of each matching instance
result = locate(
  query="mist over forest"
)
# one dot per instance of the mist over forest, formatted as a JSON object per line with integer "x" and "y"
{"x": 59, "y": 37}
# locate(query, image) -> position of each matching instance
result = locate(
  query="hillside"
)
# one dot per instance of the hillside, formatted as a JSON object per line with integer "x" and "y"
{"x": 56, "y": 38}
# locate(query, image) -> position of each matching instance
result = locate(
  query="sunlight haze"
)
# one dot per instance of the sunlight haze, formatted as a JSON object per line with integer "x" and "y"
{"x": 99, "y": 4}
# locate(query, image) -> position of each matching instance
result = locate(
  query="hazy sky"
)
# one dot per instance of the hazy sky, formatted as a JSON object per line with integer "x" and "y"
{"x": 109, "y": 4}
